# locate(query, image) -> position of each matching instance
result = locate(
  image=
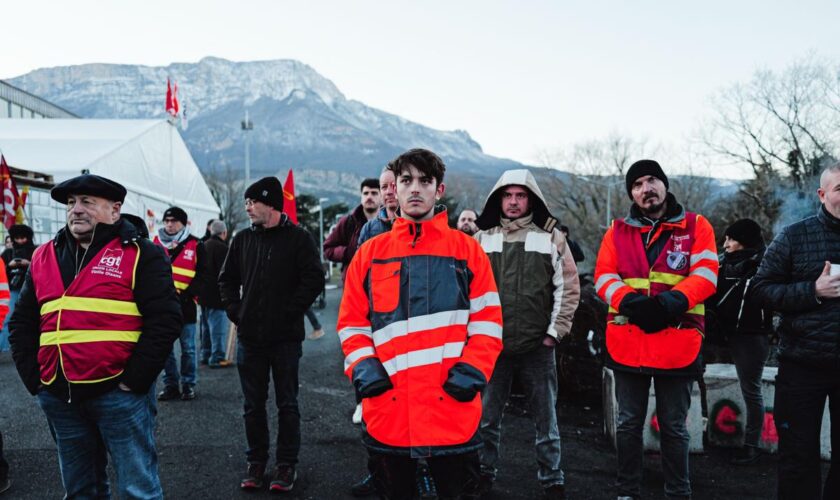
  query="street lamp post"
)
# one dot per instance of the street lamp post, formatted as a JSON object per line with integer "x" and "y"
{"x": 247, "y": 126}
{"x": 321, "y": 223}
{"x": 609, "y": 185}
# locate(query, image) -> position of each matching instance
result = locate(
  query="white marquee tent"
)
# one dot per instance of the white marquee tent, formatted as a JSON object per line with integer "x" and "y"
{"x": 148, "y": 157}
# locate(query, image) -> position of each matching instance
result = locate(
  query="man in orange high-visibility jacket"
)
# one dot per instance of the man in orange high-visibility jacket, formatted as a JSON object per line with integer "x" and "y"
{"x": 420, "y": 325}
{"x": 186, "y": 252}
{"x": 654, "y": 269}
{"x": 94, "y": 323}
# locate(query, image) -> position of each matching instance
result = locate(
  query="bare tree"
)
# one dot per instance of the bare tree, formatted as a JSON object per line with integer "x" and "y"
{"x": 228, "y": 189}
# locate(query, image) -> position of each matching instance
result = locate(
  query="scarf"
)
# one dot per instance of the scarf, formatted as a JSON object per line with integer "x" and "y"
{"x": 171, "y": 241}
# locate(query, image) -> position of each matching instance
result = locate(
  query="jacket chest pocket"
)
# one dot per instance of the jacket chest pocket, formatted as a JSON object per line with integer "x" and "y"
{"x": 385, "y": 286}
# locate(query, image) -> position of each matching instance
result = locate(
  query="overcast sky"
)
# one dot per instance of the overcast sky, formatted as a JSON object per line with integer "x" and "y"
{"x": 520, "y": 76}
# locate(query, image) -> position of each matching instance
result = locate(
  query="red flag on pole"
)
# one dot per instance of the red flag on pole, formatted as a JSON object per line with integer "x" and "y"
{"x": 289, "y": 202}
{"x": 11, "y": 198}
{"x": 175, "y": 107}
{"x": 168, "y": 97}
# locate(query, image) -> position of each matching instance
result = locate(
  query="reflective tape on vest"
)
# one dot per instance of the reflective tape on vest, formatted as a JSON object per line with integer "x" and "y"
{"x": 422, "y": 357}
{"x": 90, "y": 304}
{"x": 80, "y": 336}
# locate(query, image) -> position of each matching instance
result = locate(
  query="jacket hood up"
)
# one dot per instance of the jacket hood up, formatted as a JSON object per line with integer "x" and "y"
{"x": 492, "y": 213}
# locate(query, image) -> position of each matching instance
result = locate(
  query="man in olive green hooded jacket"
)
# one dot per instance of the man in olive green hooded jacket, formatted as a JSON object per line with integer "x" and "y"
{"x": 539, "y": 292}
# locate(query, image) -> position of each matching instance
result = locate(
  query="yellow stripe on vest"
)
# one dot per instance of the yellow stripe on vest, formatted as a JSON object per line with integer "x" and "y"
{"x": 699, "y": 309}
{"x": 665, "y": 278}
{"x": 181, "y": 286}
{"x": 89, "y": 304}
{"x": 183, "y": 271}
{"x": 637, "y": 283}
{"x": 81, "y": 336}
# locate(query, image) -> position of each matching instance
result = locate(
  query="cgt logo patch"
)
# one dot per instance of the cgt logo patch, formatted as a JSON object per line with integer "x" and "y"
{"x": 189, "y": 254}
{"x": 112, "y": 258}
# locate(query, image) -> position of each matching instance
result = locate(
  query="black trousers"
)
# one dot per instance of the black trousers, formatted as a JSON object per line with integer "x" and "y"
{"x": 256, "y": 366}
{"x": 801, "y": 391}
{"x": 456, "y": 476}
{"x": 4, "y": 465}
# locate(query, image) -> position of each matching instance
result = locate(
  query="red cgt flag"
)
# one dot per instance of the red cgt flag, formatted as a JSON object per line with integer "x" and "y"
{"x": 289, "y": 202}
{"x": 11, "y": 198}
{"x": 171, "y": 98}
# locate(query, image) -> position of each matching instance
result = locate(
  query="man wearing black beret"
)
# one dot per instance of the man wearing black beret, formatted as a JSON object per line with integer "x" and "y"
{"x": 95, "y": 321}
{"x": 277, "y": 267}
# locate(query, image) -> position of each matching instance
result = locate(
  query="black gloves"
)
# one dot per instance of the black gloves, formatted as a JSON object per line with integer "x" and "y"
{"x": 464, "y": 382}
{"x": 370, "y": 378}
{"x": 646, "y": 312}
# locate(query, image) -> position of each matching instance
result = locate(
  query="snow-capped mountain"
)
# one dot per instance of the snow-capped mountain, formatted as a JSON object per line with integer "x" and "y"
{"x": 301, "y": 120}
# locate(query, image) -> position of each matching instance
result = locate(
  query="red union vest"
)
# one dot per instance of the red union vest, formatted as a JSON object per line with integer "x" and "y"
{"x": 673, "y": 347}
{"x": 184, "y": 264}
{"x": 90, "y": 329}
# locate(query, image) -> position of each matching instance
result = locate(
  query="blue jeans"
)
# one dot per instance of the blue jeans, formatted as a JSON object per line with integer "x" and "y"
{"x": 204, "y": 335}
{"x": 256, "y": 365}
{"x": 4, "y": 333}
{"x": 538, "y": 372}
{"x": 217, "y": 323}
{"x": 673, "y": 399}
{"x": 313, "y": 319}
{"x": 117, "y": 423}
{"x": 188, "y": 374}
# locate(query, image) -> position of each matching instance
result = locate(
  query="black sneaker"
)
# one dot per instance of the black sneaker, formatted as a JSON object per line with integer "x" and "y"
{"x": 363, "y": 488}
{"x": 283, "y": 479}
{"x": 745, "y": 455}
{"x": 169, "y": 393}
{"x": 555, "y": 492}
{"x": 187, "y": 393}
{"x": 253, "y": 479}
{"x": 5, "y": 484}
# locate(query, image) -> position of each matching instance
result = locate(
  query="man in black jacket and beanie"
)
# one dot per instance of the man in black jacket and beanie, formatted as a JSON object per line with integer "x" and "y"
{"x": 277, "y": 266}
{"x": 796, "y": 279}
{"x": 94, "y": 324}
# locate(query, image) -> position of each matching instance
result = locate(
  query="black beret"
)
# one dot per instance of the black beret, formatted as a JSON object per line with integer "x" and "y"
{"x": 91, "y": 185}
{"x": 267, "y": 190}
{"x": 176, "y": 213}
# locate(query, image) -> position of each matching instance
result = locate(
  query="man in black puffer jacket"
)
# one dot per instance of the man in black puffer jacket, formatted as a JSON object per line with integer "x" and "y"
{"x": 795, "y": 279}
{"x": 276, "y": 263}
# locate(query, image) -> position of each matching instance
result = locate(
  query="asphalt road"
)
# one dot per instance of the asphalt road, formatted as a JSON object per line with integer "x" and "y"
{"x": 201, "y": 443}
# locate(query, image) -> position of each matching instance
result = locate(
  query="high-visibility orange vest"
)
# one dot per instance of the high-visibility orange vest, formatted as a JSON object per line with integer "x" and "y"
{"x": 90, "y": 329}
{"x": 675, "y": 346}
{"x": 184, "y": 264}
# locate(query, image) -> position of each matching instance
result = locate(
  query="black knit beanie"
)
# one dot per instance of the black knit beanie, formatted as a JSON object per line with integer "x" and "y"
{"x": 177, "y": 214}
{"x": 267, "y": 190}
{"x": 642, "y": 168}
{"x": 747, "y": 232}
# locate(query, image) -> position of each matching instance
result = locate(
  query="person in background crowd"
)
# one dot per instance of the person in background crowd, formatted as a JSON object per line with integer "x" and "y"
{"x": 8, "y": 242}
{"x": 744, "y": 327}
{"x": 342, "y": 242}
{"x": 797, "y": 278}
{"x": 277, "y": 267}
{"x": 17, "y": 261}
{"x": 205, "y": 346}
{"x": 317, "y": 328}
{"x": 518, "y": 233}
{"x": 577, "y": 252}
{"x": 212, "y": 309}
{"x": 119, "y": 315}
{"x": 5, "y": 312}
{"x": 186, "y": 253}
{"x": 466, "y": 221}
{"x": 655, "y": 268}
{"x": 387, "y": 212}
{"x": 431, "y": 404}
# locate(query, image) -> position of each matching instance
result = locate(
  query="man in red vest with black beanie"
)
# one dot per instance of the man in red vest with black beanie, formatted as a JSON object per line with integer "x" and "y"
{"x": 655, "y": 268}
{"x": 94, "y": 323}
{"x": 271, "y": 275}
{"x": 185, "y": 252}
